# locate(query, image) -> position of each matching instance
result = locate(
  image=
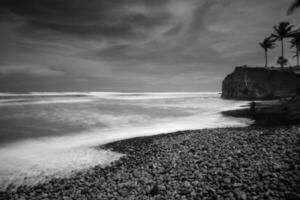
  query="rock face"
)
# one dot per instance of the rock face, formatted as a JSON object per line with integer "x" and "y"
{"x": 257, "y": 83}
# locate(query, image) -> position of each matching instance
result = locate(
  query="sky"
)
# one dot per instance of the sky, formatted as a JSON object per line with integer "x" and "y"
{"x": 133, "y": 45}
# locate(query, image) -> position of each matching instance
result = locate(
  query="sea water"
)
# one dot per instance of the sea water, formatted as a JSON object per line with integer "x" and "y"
{"x": 56, "y": 134}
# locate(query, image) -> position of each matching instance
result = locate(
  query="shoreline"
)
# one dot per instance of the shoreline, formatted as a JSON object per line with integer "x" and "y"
{"x": 239, "y": 163}
{"x": 269, "y": 113}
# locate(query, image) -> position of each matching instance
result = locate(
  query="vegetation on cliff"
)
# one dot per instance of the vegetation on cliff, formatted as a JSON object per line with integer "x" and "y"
{"x": 284, "y": 30}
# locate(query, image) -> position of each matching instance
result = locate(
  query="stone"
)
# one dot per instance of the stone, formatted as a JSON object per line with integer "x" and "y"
{"x": 237, "y": 185}
{"x": 227, "y": 180}
{"x": 155, "y": 190}
{"x": 239, "y": 194}
{"x": 44, "y": 195}
{"x": 187, "y": 184}
{"x": 123, "y": 192}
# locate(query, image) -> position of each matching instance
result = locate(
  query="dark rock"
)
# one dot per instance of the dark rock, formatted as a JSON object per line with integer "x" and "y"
{"x": 155, "y": 190}
{"x": 292, "y": 196}
{"x": 257, "y": 83}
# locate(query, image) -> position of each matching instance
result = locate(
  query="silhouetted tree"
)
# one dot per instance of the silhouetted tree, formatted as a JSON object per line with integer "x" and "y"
{"x": 282, "y": 31}
{"x": 295, "y": 43}
{"x": 266, "y": 44}
{"x": 293, "y": 7}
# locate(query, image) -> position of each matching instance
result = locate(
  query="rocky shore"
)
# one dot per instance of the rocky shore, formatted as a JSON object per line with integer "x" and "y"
{"x": 227, "y": 163}
{"x": 270, "y": 113}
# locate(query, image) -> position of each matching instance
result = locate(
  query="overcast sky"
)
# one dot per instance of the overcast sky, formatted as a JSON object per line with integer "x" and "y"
{"x": 132, "y": 45}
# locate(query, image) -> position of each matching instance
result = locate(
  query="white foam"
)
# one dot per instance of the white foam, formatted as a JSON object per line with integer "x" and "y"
{"x": 43, "y": 94}
{"x": 19, "y": 102}
{"x": 148, "y": 95}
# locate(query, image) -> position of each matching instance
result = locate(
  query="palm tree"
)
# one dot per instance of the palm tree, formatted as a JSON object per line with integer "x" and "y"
{"x": 266, "y": 44}
{"x": 295, "y": 43}
{"x": 296, "y": 55}
{"x": 283, "y": 30}
{"x": 293, "y": 7}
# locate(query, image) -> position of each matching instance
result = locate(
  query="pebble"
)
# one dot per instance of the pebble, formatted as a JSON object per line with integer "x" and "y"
{"x": 123, "y": 193}
{"x": 240, "y": 194}
{"x": 227, "y": 180}
{"x": 231, "y": 163}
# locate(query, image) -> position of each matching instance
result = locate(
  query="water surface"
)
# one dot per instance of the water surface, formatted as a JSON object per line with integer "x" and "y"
{"x": 52, "y": 134}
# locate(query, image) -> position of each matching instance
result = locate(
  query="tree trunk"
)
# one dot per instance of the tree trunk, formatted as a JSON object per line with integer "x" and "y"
{"x": 282, "y": 53}
{"x": 298, "y": 50}
{"x": 266, "y": 58}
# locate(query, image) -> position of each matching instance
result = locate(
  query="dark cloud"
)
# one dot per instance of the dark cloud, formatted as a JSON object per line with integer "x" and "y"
{"x": 107, "y": 18}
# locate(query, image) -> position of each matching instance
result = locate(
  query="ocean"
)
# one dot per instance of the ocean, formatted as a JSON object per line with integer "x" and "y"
{"x": 45, "y": 135}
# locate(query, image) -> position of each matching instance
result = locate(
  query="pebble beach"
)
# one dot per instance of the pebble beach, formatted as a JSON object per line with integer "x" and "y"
{"x": 224, "y": 163}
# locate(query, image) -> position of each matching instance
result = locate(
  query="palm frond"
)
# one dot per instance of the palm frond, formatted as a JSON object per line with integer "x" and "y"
{"x": 293, "y": 7}
{"x": 295, "y": 54}
{"x": 283, "y": 30}
{"x": 276, "y": 29}
{"x": 268, "y": 43}
{"x": 276, "y": 37}
{"x": 295, "y": 41}
{"x": 289, "y": 28}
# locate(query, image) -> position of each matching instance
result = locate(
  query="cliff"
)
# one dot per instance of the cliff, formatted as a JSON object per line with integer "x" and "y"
{"x": 257, "y": 83}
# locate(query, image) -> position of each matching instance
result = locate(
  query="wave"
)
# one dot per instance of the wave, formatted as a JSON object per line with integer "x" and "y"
{"x": 106, "y": 117}
{"x": 149, "y": 95}
{"x": 13, "y": 99}
{"x": 42, "y": 94}
{"x": 113, "y": 95}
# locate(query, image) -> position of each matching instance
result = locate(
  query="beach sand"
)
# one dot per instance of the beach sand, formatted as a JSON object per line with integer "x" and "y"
{"x": 224, "y": 163}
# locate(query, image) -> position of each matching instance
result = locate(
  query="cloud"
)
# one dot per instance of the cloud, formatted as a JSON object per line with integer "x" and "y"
{"x": 133, "y": 44}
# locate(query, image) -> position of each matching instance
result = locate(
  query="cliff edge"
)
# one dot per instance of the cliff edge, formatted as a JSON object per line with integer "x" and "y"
{"x": 257, "y": 83}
